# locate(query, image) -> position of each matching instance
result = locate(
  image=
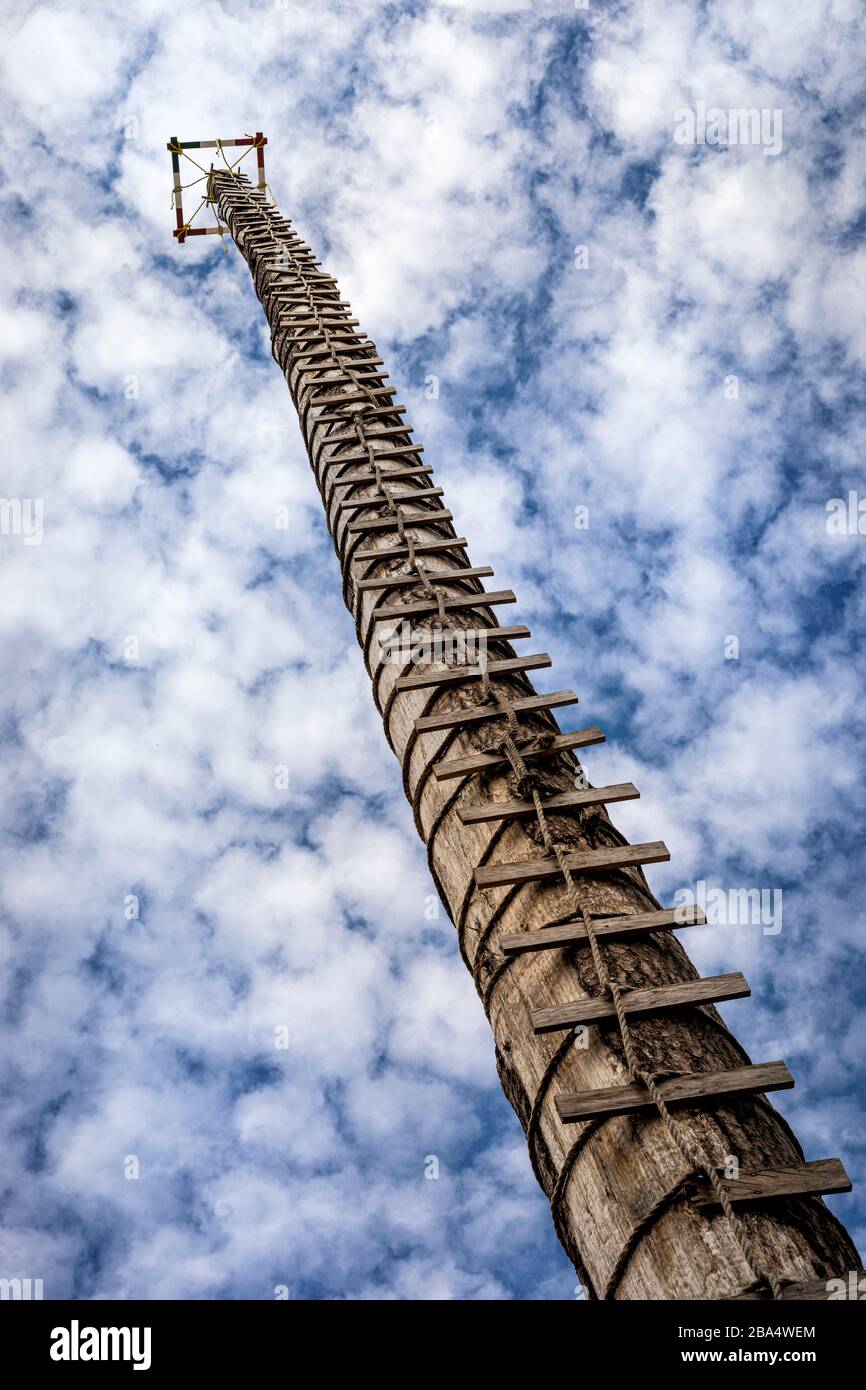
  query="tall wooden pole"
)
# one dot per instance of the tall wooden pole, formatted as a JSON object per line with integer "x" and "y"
{"x": 634, "y": 1217}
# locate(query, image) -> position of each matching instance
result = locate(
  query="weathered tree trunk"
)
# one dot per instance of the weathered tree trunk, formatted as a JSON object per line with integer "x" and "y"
{"x": 603, "y": 1178}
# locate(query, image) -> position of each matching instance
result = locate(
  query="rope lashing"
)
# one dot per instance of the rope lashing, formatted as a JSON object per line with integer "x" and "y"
{"x": 427, "y": 588}
{"x": 182, "y": 187}
{"x": 643, "y": 1228}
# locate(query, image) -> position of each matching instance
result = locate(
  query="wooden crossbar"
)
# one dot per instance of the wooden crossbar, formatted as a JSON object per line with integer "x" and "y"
{"x": 345, "y": 419}
{"x": 333, "y": 363}
{"x": 813, "y": 1291}
{"x": 503, "y": 634}
{"x": 389, "y": 523}
{"x": 283, "y": 295}
{"x": 214, "y": 144}
{"x": 361, "y": 456}
{"x": 583, "y": 861}
{"x": 463, "y": 673}
{"x": 493, "y": 634}
{"x": 415, "y": 494}
{"x": 200, "y": 231}
{"x": 477, "y": 714}
{"x": 399, "y": 581}
{"x": 312, "y": 368}
{"x": 302, "y": 346}
{"x": 292, "y": 242}
{"x": 658, "y": 999}
{"x": 263, "y": 227}
{"x": 386, "y": 432}
{"x": 352, "y": 397}
{"x": 401, "y": 552}
{"x": 293, "y": 288}
{"x": 409, "y": 610}
{"x": 695, "y": 1088}
{"x": 328, "y": 334}
{"x": 365, "y": 380}
{"x": 815, "y": 1179}
{"x": 606, "y": 929}
{"x": 396, "y": 475}
{"x": 283, "y": 272}
{"x": 563, "y": 801}
{"x": 354, "y": 340}
{"x": 487, "y": 762}
{"x": 331, "y": 356}
{"x": 300, "y": 257}
{"x": 336, "y": 321}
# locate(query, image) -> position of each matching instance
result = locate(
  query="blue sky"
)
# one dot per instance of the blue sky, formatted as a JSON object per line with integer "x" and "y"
{"x": 165, "y": 646}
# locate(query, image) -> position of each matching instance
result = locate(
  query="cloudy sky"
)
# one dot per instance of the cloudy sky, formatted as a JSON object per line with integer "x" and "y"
{"x": 670, "y": 335}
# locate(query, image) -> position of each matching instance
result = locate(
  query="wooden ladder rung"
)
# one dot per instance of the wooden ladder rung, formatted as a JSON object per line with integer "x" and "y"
{"x": 607, "y": 929}
{"x": 389, "y": 523}
{"x": 352, "y": 504}
{"x": 415, "y": 609}
{"x": 336, "y": 321}
{"x": 488, "y": 762}
{"x": 301, "y": 343}
{"x": 815, "y": 1179}
{"x": 327, "y": 298}
{"x": 314, "y": 355}
{"x": 463, "y": 673}
{"x": 395, "y": 475}
{"x": 401, "y": 552}
{"x": 399, "y": 581}
{"x": 329, "y": 330}
{"x": 562, "y": 801}
{"x": 494, "y": 634}
{"x": 353, "y": 397}
{"x": 657, "y": 999}
{"x": 361, "y": 456}
{"x": 583, "y": 861}
{"x": 368, "y": 415}
{"x": 813, "y": 1291}
{"x": 384, "y": 433}
{"x": 477, "y": 714}
{"x": 328, "y": 364}
{"x": 694, "y": 1088}
{"x": 284, "y": 298}
{"x": 498, "y": 634}
{"x": 360, "y": 379}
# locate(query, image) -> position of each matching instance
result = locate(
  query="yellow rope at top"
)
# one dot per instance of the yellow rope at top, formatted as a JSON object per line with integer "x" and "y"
{"x": 208, "y": 174}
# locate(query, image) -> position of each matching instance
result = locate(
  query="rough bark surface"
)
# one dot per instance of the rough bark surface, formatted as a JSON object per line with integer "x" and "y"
{"x": 603, "y": 1178}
